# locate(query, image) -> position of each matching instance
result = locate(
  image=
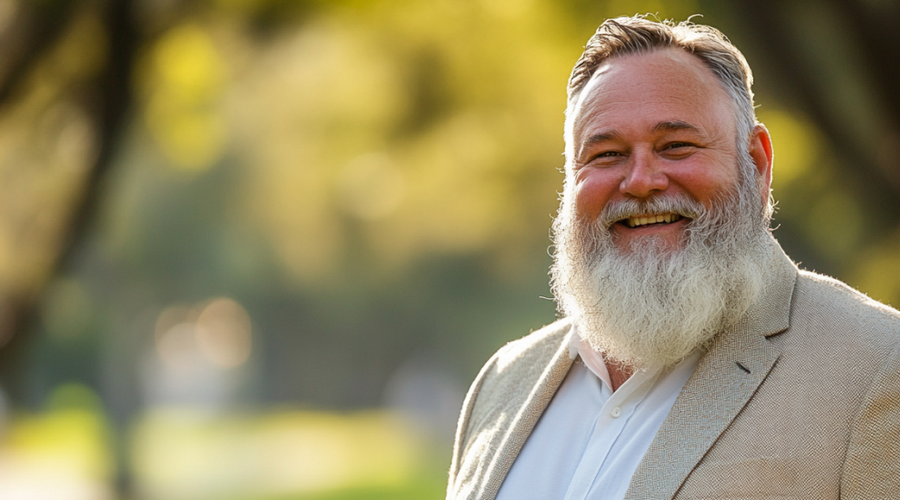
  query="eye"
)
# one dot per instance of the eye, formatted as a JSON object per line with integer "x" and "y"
{"x": 678, "y": 149}
{"x": 605, "y": 156}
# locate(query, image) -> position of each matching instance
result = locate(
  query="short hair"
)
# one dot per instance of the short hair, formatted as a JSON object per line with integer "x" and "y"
{"x": 638, "y": 35}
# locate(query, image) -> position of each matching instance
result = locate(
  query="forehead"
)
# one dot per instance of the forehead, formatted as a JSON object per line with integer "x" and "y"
{"x": 642, "y": 90}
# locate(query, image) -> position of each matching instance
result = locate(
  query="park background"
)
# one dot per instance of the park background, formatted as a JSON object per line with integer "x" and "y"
{"x": 257, "y": 249}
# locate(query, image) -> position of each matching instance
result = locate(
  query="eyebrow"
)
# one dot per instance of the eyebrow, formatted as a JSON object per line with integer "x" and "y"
{"x": 594, "y": 139}
{"x": 673, "y": 126}
{"x": 666, "y": 126}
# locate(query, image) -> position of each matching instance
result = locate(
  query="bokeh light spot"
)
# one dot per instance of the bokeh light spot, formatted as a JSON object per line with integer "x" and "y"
{"x": 183, "y": 112}
{"x": 177, "y": 346}
{"x": 186, "y": 59}
{"x": 224, "y": 333}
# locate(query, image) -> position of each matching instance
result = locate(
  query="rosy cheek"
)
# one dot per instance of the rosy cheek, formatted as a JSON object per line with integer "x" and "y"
{"x": 705, "y": 186}
{"x": 592, "y": 192}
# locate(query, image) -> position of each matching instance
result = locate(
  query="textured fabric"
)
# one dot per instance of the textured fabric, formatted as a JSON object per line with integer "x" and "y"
{"x": 589, "y": 440}
{"x": 799, "y": 399}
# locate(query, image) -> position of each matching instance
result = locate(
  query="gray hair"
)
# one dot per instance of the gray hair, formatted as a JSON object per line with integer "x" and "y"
{"x": 637, "y": 35}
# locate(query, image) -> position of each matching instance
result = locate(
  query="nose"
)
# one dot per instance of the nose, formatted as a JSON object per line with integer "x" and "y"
{"x": 644, "y": 177}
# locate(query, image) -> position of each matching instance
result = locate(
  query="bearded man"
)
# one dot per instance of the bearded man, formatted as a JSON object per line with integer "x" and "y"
{"x": 694, "y": 359}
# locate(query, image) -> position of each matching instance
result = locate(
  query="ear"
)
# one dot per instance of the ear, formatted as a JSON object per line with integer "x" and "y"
{"x": 761, "y": 152}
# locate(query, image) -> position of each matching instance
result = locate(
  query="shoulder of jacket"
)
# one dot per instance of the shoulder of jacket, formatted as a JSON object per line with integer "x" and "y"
{"x": 508, "y": 374}
{"x": 833, "y": 310}
{"x": 516, "y": 366}
{"x": 538, "y": 344}
{"x": 836, "y": 293}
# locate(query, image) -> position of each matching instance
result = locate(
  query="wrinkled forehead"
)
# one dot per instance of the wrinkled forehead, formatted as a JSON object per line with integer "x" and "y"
{"x": 667, "y": 77}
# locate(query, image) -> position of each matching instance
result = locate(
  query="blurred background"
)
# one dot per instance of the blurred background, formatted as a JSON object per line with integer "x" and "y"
{"x": 257, "y": 249}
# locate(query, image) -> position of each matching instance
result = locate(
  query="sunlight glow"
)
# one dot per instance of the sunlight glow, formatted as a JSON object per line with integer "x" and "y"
{"x": 180, "y": 455}
{"x": 182, "y": 112}
{"x": 223, "y": 333}
{"x": 218, "y": 334}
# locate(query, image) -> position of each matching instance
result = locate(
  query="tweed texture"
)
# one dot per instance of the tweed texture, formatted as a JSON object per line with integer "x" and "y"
{"x": 816, "y": 417}
{"x": 511, "y": 392}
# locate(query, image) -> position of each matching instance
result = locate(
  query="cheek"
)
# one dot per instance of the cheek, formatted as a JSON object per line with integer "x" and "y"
{"x": 705, "y": 182}
{"x": 593, "y": 191}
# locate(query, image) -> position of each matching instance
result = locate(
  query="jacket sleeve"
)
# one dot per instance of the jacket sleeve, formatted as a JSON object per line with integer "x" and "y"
{"x": 872, "y": 465}
{"x": 460, "y": 441}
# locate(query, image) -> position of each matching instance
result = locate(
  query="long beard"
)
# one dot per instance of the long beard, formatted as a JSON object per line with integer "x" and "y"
{"x": 648, "y": 305}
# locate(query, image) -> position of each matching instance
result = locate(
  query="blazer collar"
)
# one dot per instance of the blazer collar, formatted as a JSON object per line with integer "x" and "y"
{"x": 525, "y": 409}
{"x": 728, "y": 375}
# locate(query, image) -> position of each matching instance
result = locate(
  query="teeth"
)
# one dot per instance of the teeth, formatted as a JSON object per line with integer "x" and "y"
{"x": 643, "y": 220}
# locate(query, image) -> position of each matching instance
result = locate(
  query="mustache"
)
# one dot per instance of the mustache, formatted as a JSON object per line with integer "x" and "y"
{"x": 682, "y": 205}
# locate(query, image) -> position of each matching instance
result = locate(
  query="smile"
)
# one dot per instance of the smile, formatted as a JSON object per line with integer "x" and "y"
{"x": 644, "y": 220}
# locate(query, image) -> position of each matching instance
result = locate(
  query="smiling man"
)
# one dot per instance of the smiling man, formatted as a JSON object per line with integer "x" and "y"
{"x": 694, "y": 359}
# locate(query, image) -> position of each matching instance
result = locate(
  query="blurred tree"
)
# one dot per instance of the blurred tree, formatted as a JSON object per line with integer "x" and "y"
{"x": 82, "y": 52}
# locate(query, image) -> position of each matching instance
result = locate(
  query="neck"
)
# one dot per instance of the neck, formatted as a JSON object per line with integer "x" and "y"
{"x": 618, "y": 373}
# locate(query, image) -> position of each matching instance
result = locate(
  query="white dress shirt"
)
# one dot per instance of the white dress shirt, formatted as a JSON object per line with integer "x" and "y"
{"x": 590, "y": 440}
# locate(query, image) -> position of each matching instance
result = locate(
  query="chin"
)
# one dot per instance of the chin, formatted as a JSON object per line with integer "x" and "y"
{"x": 657, "y": 244}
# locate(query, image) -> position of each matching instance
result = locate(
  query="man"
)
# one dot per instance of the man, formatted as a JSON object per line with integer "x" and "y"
{"x": 695, "y": 360}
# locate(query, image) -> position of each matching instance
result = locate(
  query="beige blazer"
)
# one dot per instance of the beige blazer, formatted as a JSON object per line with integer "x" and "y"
{"x": 799, "y": 399}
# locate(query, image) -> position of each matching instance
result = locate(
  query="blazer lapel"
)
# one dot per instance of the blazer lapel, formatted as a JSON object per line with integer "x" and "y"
{"x": 725, "y": 380}
{"x": 525, "y": 413}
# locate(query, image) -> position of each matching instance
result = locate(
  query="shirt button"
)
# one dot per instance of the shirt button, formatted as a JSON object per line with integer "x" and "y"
{"x": 616, "y": 412}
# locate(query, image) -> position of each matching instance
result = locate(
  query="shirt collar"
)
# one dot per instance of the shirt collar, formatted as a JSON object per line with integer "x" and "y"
{"x": 591, "y": 358}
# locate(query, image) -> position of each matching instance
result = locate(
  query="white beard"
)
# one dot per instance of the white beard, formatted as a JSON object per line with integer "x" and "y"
{"x": 648, "y": 306}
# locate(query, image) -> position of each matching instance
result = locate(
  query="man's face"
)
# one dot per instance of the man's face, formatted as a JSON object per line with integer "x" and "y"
{"x": 656, "y": 125}
{"x": 660, "y": 241}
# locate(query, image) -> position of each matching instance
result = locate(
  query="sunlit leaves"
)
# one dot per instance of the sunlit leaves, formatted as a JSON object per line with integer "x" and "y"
{"x": 185, "y": 80}
{"x": 406, "y": 124}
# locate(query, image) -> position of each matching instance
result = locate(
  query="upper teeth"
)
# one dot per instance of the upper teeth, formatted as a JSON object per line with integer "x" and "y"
{"x": 651, "y": 219}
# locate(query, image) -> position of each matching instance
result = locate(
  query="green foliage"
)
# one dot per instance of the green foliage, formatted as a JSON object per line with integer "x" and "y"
{"x": 415, "y": 491}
